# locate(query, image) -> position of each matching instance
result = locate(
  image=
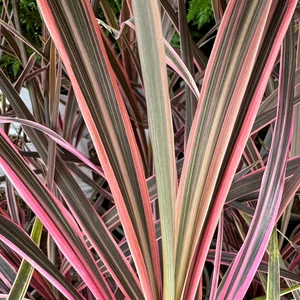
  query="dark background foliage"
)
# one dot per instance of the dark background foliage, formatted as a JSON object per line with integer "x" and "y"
{"x": 199, "y": 16}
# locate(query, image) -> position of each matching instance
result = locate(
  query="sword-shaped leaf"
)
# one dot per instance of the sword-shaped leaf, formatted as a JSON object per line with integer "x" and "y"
{"x": 225, "y": 82}
{"x": 152, "y": 55}
{"x": 245, "y": 265}
{"x": 54, "y": 216}
{"x": 77, "y": 36}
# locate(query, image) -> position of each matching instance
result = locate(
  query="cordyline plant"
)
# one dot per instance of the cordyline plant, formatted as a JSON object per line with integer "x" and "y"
{"x": 140, "y": 171}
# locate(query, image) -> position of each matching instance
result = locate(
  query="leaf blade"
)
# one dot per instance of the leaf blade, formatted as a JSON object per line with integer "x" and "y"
{"x": 151, "y": 50}
{"x": 273, "y": 287}
{"x": 79, "y": 42}
{"x": 221, "y": 96}
{"x": 272, "y": 185}
{"x": 25, "y": 271}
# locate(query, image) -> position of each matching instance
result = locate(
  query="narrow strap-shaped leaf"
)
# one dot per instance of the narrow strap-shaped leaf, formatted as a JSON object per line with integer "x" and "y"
{"x": 181, "y": 69}
{"x": 282, "y": 292}
{"x": 77, "y": 36}
{"x": 20, "y": 242}
{"x": 278, "y": 22}
{"x": 53, "y": 109}
{"x": 21, "y": 37}
{"x": 25, "y": 271}
{"x": 228, "y": 257}
{"x": 18, "y": 31}
{"x": 12, "y": 43}
{"x": 287, "y": 202}
{"x": 27, "y": 69}
{"x": 268, "y": 116}
{"x": 109, "y": 13}
{"x": 70, "y": 114}
{"x": 270, "y": 101}
{"x": 225, "y": 81}
{"x": 251, "y": 154}
{"x": 217, "y": 262}
{"x": 55, "y": 137}
{"x": 252, "y": 182}
{"x": 295, "y": 145}
{"x": 199, "y": 56}
{"x": 152, "y": 56}
{"x": 6, "y": 270}
{"x": 186, "y": 54}
{"x": 12, "y": 203}
{"x": 290, "y": 189}
{"x": 217, "y": 9}
{"x": 80, "y": 205}
{"x": 5, "y": 296}
{"x": 273, "y": 288}
{"x": 239, "y": 275}
{"x": 134, "y": 112}
{"x": 54, "y": 216}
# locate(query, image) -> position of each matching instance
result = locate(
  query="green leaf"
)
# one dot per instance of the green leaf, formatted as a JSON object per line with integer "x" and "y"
{"x": 25, "y": 271}
{"x": 273, "y": 287}
{"x": 17, "y": 239}
{"x": 200, "y": 12}
{"x": 152, "y": 55}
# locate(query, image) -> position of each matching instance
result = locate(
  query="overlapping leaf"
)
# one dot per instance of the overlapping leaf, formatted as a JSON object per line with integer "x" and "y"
{"x": 81, "y": 207}
{"x": 77, "y": 37}
{"x": 244, "y": 267}
{"x": 231, "y": 63}
{"x": 55, "y": 218}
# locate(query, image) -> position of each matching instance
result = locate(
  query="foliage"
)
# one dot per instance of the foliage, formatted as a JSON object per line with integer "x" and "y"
{"x": 10, "y": 66}
{"x": 200, "y": 12}
{"x": 31, "y": 24}
{"x": 31, "y": 21}
{"x": 200, "y": 16}
{"x": 137, "y": 171}
{"x": 116, "y": 5}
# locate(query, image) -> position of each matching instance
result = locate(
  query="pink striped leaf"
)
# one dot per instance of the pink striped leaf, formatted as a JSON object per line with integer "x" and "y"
{"x": 134, "y": 113}
{"x": 217, "y": 261}
{"x": 54, "y": 216}
{"x": 228, "y": 257}
{"x": 247, "y": 260}
{"x": 7, "y": 275}
{"x": 224, "y": 86}
{"x": 55, "y": 137}
{"x": 20, "y": 242}
{"x": 277, "y": 24}
{"x": 5, "y": 297}
{"x": 77, "y": 201}
{"x": 77, "y": 36}
{"x": 252, "y": 182}
{"x": 25, "y": 271}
